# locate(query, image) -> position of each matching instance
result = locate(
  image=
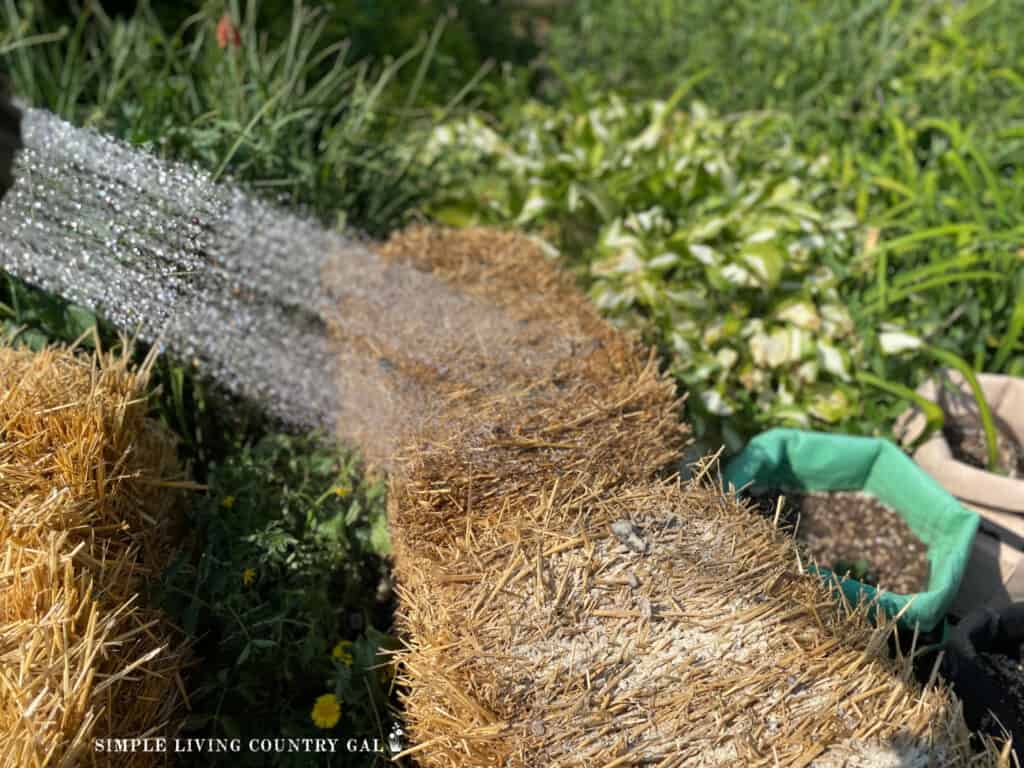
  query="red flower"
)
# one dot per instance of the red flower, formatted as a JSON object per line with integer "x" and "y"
{"x": 227, "y": 33}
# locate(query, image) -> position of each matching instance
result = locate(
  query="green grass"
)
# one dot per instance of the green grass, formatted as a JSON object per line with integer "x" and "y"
{"x": 840, "y": 65}
{"x": 293, "y": 115}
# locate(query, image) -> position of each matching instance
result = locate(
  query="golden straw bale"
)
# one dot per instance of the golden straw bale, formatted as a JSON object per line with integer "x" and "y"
{"x": 87, "y": 490}
{"x": 480, "y": 313}
{"x": 565, "y": 603}
{"x": 660, "y": 623}
{"x": 502, "y": 267}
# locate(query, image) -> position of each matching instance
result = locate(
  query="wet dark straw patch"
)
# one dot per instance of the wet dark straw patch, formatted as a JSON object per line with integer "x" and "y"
{"x": 853, "y": 533}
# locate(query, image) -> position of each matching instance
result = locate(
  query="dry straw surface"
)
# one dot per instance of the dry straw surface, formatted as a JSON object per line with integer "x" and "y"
{"x": 565, "y": 603}
{"x": 88, "y": 503}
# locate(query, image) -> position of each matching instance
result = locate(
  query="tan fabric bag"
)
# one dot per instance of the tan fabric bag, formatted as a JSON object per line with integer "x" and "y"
{"x": 996, "y": 571}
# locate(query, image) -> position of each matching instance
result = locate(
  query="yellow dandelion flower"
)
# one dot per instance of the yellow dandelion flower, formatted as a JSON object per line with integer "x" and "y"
{"x": 326, "y": 711}
{"x": 248, "y": 576}
{"x": 228, "y": 502}
{"x": 341, "y": 491}
{"x": 342, "y": 653}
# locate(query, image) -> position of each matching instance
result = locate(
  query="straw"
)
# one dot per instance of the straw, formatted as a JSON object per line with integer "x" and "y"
{"x": 88, "y": 518}
{"x": 567, "y": 601}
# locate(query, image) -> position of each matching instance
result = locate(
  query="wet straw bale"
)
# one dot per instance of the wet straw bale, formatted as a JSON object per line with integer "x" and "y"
{"x": 453, "y": 314}
{"x": 565, "y": 603}
{"x": 88, "y": 493}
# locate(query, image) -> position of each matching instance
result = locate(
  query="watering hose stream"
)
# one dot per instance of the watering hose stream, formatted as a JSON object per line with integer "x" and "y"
{"x": 160, "y": 251}
{"x": 312, "y": 325}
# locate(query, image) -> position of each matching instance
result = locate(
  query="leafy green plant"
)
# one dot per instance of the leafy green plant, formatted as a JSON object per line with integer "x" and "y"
{"x": 715, "y": 234}
{"x": 282, "y": 590}
{"x": 777, "y": 281}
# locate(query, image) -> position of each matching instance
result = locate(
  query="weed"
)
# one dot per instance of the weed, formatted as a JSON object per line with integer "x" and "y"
{"x": 282, "y": 590}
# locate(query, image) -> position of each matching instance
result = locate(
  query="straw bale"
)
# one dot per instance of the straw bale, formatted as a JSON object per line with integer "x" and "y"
{"x": 689, "y": 639}
{"x": 505, "y": 268}
{"x": 478, "y": 312}
{"x": 89, "y": 510}
{"x": 564, "y": 603}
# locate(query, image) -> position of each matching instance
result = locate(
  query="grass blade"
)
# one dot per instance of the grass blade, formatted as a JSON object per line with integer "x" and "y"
{"x": 934, "y": 416}
{"x": 985, "y": 413}
{"x": 1013, "y": 333}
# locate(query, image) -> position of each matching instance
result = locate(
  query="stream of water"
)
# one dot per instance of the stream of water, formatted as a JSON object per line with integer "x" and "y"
{"x": 209, "y": 274}
{"x": 315, "y": 327}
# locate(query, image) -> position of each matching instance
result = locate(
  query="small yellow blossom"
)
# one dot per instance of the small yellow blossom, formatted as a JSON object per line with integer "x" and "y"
{"x": 228, "y": 502}
{"x": 342, "y": 653}
{"x": 248, "y": 576}
{"x": 341, "y": 491}
{"x": 326, "y": 711}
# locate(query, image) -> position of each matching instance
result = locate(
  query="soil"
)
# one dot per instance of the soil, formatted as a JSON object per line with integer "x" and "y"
{"x": 853, "y": 533}
{"x": 1008, "y": 673}
{"x": 967, "y": 441}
